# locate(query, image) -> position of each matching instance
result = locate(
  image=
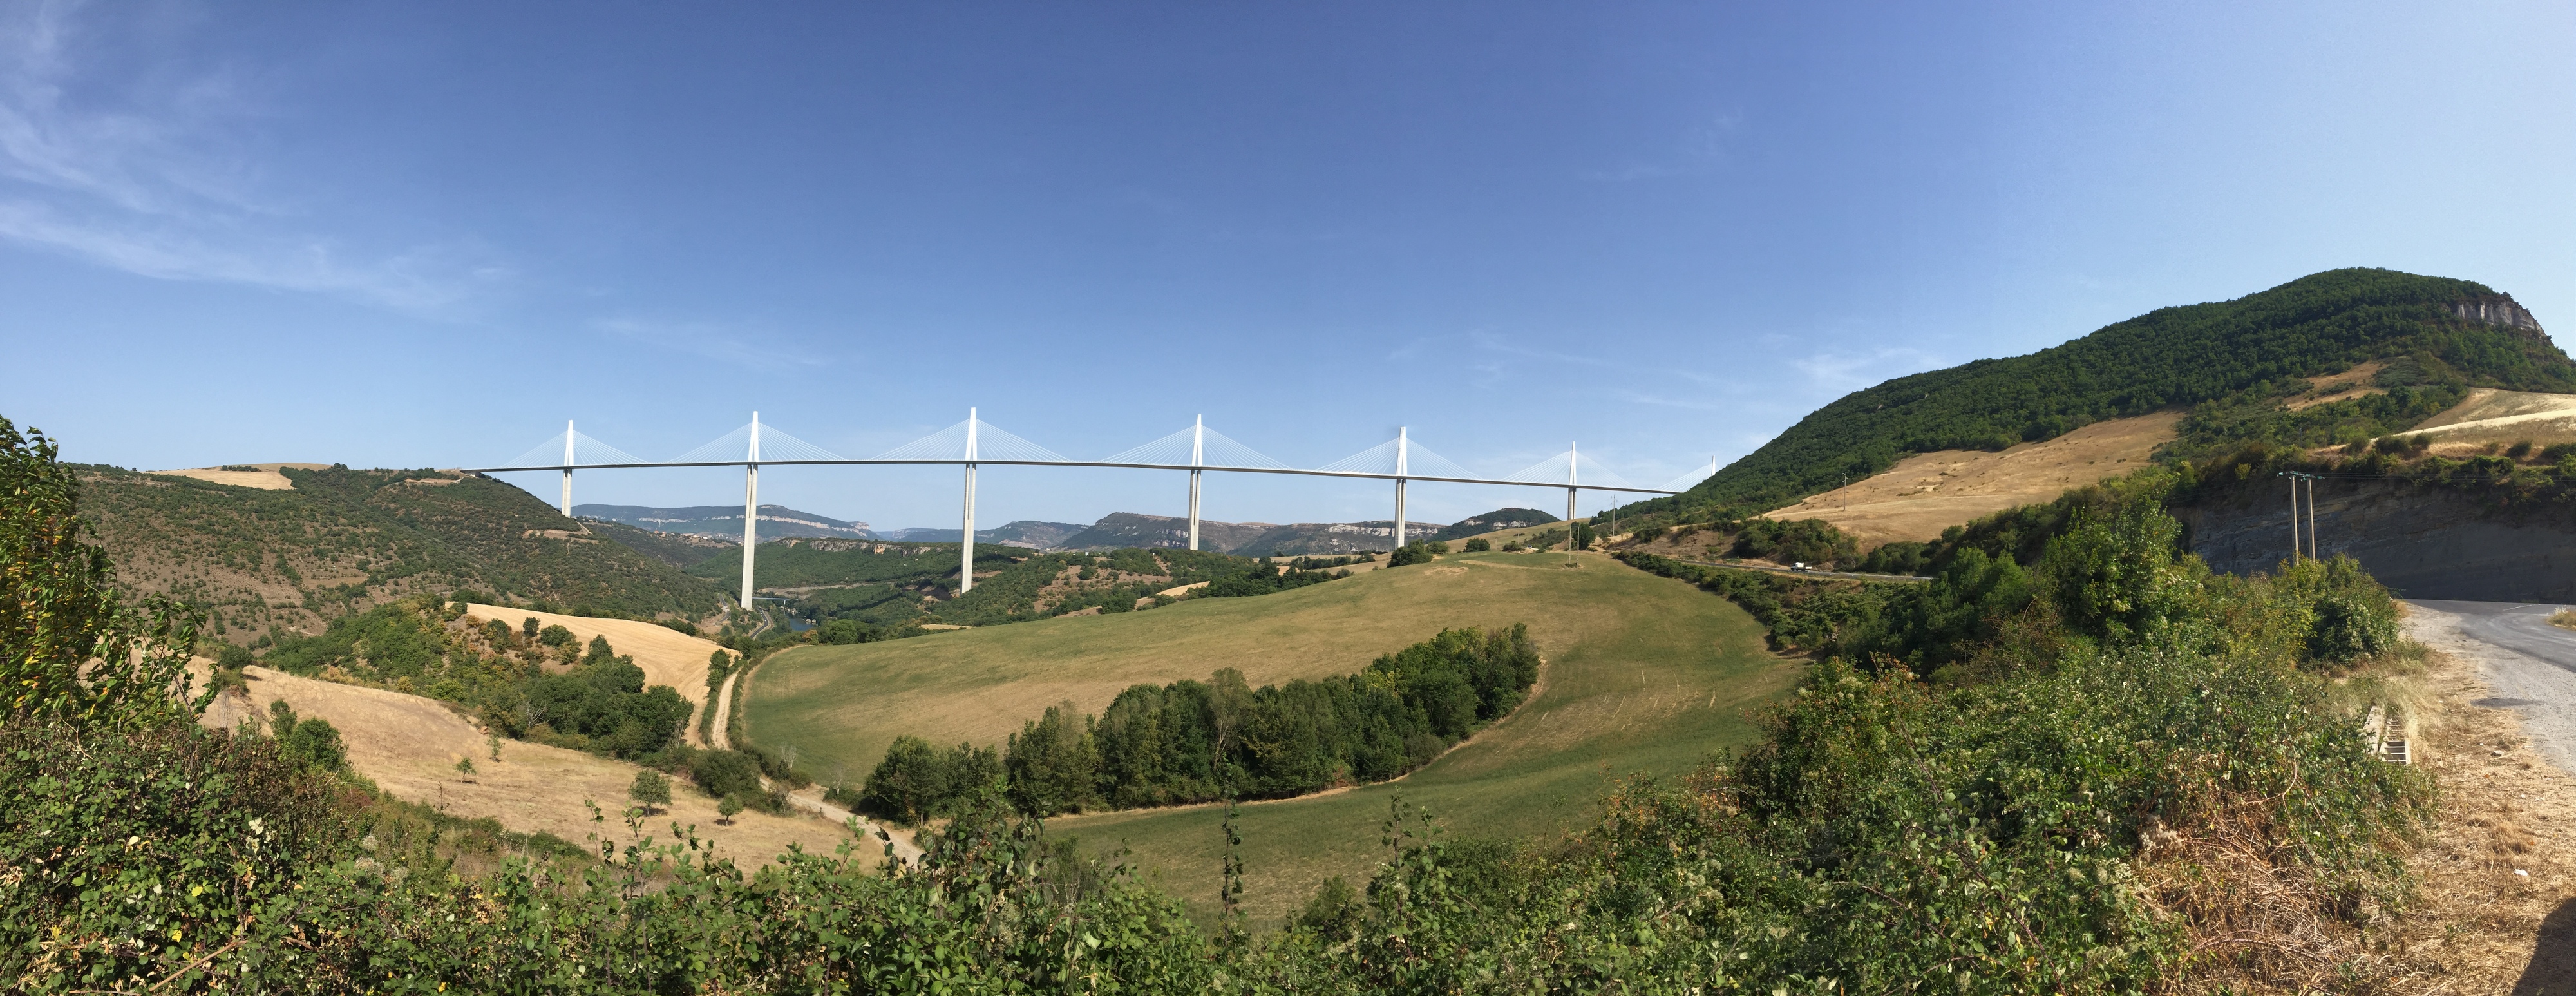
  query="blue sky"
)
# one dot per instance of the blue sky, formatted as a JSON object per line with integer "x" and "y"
{"x": 426, "y": 235}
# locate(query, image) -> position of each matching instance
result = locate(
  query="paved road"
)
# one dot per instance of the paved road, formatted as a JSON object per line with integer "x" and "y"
{"x": 2529, "y": 666}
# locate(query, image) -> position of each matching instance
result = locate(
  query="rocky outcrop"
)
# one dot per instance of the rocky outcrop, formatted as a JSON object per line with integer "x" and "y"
{"x": 2422, "y": 541}
{"x": 2498, "y": 310}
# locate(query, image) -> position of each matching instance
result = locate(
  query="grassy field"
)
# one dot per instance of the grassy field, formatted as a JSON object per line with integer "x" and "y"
{"x": 1644, "y": 675}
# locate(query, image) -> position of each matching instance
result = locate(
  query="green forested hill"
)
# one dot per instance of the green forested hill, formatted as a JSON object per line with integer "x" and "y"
{"x": 2232, "y": 358}
{"x": 344, "y": 539}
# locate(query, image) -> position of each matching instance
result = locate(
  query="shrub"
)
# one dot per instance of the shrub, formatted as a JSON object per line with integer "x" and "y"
{"x": 721, "y": 773}
{"x": 313, "y": 743}
{"x": 650, "y": 790}
{"x": 1479, "y": 545}
{"x": 1409, "y": 554}
{"x": 847, "y": 631}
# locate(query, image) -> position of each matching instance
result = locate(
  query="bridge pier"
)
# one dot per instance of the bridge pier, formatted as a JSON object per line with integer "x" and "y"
{"x": 1571, "y": 470}
{"x": 1198, "y": 440}
{"x": 966, "y": 538}
{"x": 1401, "y": 444}
{"x": 750, "y": 510}
{"x": 567, "y": 495}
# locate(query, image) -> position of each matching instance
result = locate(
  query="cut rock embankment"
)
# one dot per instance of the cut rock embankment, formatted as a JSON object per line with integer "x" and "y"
{"x": 2421, "y": 540}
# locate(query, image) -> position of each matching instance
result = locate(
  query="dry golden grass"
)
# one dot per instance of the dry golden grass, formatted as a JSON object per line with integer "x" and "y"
{"x": 409, "y": 747}
{"x": 2493, "y": 416}
{"x": 265, "y": 478}
{"x": 667, "y": 656}
{"x": 1929, "y": 492}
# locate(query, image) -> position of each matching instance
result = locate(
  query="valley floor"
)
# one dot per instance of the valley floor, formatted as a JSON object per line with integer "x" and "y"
{"x": 1643, "y": 676}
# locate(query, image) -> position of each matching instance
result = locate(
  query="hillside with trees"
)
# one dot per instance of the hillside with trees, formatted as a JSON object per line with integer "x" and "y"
{"x": 2128, "y": 775}
{"x": 2232, "y": 363}
{"x": 343, "y": 540}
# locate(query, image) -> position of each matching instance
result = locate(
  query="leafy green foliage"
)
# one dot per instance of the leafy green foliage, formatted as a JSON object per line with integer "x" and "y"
{"x": 2261, "y": 417}
{"x": 61, "y": 610}
{"x": 650, "y": 789}
{"x": 916, "y": 781}
{"x": 313, "y": 743}
{"x": 1807, "y": 541}
{"x": 2250, "y": 348}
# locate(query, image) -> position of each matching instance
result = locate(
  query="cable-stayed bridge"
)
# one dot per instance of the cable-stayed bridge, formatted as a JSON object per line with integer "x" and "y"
{"x": 974, "y": 442}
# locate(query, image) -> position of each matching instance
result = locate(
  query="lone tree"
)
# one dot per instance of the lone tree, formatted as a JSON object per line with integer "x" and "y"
{"x": 724, "y": 810}
{"x": 465, "y": 767}
{"x": 650, "y": 790}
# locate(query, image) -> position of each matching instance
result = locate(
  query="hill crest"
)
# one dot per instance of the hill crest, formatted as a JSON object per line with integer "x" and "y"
{"x": 2241, "y": 355}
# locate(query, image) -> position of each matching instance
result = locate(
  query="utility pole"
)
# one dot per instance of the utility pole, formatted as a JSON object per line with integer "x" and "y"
{"x": 966, "y": 545}
{"x": 1400, "y": 445}
{"x": 567, "y": 497}
{"x": 1198, "y": 439}
{"x": 750, "y": 509}
{"x": 2314, "y": 553}
{"x": 2310, "y": 540}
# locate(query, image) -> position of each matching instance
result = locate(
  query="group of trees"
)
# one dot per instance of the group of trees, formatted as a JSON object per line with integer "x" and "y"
{"x": 599, "y": 703}
{"x": 1192, "y": 741}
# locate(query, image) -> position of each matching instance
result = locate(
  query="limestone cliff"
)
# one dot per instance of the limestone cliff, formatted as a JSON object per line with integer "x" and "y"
{"x": 2499, "y": 310}
{"x": 2421, "y": 541}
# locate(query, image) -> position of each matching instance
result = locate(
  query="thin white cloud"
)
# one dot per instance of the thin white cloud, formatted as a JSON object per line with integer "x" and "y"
{"x": 142, "y": 178}
{"x": 1644, "y": 398}
{"x": 1849, "y": 371}
{"x": 722, "y": 343}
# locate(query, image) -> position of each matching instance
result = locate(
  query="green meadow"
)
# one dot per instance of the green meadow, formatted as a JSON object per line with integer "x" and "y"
{"x": 1643, "y": 676}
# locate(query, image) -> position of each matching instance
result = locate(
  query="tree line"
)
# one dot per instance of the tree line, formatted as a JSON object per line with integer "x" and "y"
{"x": 1192, "y": 741}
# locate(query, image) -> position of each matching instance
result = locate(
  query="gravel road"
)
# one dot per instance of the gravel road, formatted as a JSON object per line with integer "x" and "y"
{"x": 2528, "y": 665}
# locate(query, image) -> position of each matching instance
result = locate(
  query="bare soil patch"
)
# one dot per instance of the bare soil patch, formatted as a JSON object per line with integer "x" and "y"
{"x": 1929, "y": 492}
{"x": 409, "y": 747}
{"x": 266, "y": 477}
